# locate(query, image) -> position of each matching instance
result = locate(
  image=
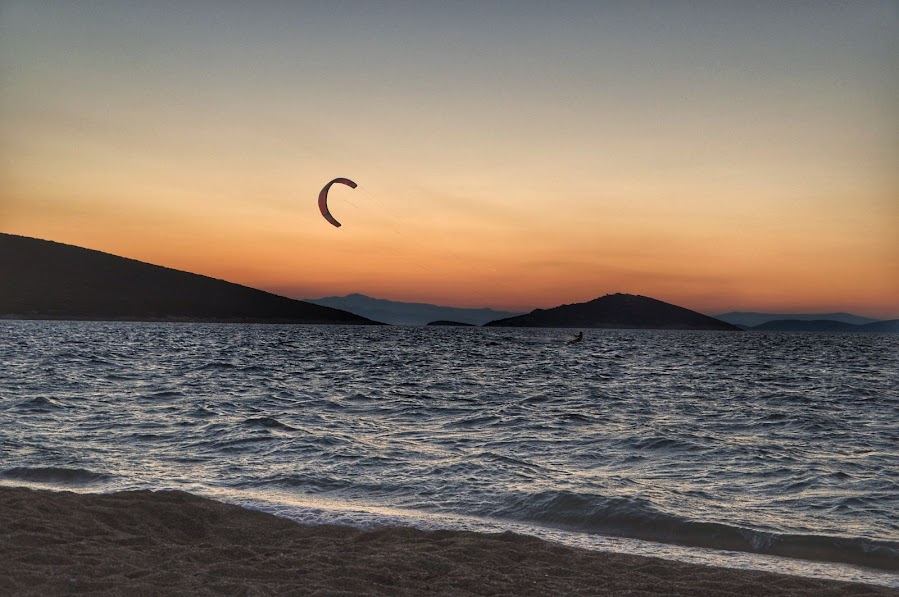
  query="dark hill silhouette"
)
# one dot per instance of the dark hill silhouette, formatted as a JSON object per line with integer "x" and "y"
{"x": 890, "y": 326}
{"x": 41, "y": 279}
{"x": 799, "y": 325}
{"x": 623, "y": 311}
{"x": 400, "y": 313}
{"x": 748, "y": 319}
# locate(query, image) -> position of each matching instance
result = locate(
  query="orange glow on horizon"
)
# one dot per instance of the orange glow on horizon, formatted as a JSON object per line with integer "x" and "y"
{"x": 681, "y": 163}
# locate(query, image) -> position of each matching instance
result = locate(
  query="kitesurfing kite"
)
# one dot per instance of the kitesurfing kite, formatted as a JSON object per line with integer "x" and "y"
{"x": 323, "y": 198}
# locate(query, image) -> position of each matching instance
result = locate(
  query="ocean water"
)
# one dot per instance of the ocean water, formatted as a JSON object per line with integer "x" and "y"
{"x": 751, "y": 450}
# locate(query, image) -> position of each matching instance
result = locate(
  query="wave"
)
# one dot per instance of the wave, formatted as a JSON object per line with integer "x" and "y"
{"x": 40, "y": 404}
{"x": 637, "y": 519}
{"x": 214, "y": 366}
{"x": 165, "y": 394}
{"x": 224, "y": 366}
{"x": 268, "y": 423}
{"x": 54, "y": 475}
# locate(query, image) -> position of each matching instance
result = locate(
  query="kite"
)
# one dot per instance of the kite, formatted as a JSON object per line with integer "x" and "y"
{"x": 323, "y": 198}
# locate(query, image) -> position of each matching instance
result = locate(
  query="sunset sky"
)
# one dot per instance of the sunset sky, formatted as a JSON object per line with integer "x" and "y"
{"x": 717, "y": 155}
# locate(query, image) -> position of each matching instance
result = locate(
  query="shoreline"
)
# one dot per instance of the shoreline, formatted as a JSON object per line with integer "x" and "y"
{"x": 54, "y": 542}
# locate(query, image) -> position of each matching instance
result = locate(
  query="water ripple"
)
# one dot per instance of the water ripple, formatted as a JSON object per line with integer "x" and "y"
{"x": 778, "y": 443}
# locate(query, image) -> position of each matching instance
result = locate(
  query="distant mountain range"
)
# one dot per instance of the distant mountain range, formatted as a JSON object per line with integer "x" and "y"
{"x": 620, "y": 311}
{"x": 890, "y": 326}
{"x": 400, "y": 313}
{"x": 47, "y": 280}
{"x": 810, "y": 322}
{"x": 42, "y": 279}
{"x": 751, "y": 319}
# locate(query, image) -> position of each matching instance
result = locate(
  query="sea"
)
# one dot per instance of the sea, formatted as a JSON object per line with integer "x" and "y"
{"x": 763, "y": 451}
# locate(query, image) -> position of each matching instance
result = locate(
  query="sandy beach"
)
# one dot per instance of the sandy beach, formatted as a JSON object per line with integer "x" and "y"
{"x": 154, "y": 543}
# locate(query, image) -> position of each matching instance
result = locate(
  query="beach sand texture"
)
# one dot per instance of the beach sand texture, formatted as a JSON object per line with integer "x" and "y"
{"x": 174, "y": 543}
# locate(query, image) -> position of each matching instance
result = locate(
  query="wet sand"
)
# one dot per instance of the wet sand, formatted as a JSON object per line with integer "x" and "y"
{"x": 173, "y": 543}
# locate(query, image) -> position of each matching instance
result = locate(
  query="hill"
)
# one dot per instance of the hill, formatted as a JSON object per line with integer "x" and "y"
{"x": 824, "y": 325}
{"x": 399, "y": 313}
{"x": 890, "y": 326}
{"x": 41, "y": 279}
{"x": 752, "y": 319}
{"x": 624, "y": 311}
{"x": 800, "y": 325}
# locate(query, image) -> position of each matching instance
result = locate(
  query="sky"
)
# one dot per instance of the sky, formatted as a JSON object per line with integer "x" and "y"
{"x": 716, "y": 155}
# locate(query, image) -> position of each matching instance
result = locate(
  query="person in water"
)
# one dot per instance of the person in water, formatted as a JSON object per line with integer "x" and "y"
{"x": 578, "y": 338}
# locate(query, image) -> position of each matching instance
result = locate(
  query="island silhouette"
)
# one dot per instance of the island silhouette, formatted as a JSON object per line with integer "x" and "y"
{"x": 48, "y": 280}
{"x": 617, "y": 311}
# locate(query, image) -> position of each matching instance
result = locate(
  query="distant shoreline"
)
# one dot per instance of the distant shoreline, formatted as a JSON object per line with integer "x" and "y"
{"x": 50, "y": 281}
{"x": 63, "y": 318}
